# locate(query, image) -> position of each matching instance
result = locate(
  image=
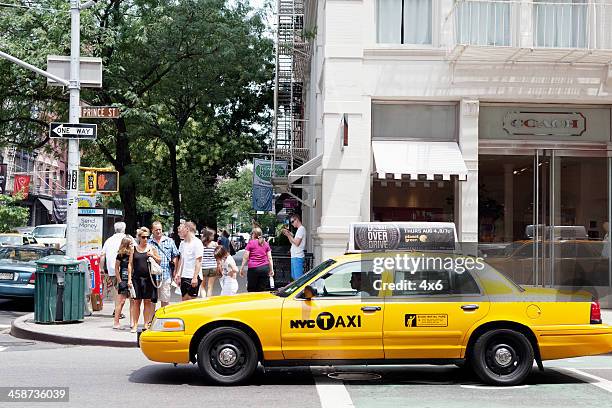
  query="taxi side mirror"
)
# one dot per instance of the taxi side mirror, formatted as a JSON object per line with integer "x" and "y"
{"x": 309, "y": 292}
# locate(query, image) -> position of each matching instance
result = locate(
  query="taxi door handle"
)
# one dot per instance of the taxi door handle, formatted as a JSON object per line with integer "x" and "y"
{"x": 470, "y": 307}
{"x": 370, "y": 308}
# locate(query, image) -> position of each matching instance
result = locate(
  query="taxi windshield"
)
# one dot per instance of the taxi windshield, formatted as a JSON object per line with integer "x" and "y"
{"x": 296, "y": 284}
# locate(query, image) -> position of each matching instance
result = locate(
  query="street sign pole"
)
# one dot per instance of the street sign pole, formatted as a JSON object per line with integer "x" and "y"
{"x": 72, "y": 218}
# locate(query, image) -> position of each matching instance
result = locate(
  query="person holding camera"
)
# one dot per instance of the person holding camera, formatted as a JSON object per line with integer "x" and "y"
{"x": 298, "y": 243}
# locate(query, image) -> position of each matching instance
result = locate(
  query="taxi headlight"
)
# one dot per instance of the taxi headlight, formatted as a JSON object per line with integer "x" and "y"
{"x": 167, "y": 325}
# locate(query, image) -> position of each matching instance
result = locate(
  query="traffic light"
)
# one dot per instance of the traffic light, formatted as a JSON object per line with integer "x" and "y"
{"x": 107, "y": 182}
{"x": 90, "y": 182}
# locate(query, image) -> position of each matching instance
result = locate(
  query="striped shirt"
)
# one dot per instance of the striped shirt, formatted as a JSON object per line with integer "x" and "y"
{"x": 208, "y": 258}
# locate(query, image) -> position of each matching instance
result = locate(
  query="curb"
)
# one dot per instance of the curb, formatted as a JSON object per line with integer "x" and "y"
{"x": 20, "y": 330}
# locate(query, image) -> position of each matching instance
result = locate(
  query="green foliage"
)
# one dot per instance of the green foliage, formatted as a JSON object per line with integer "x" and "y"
{"x": 192, "y": 78}
{"x": 235, "y": 196}
{"x": 12, "y": 215}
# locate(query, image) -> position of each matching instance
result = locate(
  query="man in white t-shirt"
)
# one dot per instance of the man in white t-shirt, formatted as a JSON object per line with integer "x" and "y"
{"x": 298, "y": 243}
{"x": 190, "y": 262}
{"x": 108, "y": 256}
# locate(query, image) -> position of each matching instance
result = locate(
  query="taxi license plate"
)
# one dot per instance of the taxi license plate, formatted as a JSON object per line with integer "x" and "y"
{"x": 6, "y": 276}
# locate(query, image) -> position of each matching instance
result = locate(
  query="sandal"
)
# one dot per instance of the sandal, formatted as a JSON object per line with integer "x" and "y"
{"x": 134, "y": 329}
{"x": 116, "y": 327}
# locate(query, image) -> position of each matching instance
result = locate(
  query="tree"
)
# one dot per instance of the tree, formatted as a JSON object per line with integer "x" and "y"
{"x": 192, "y": 79}
{"x": 12, "y": 215}
{"x": 235, "y": 197}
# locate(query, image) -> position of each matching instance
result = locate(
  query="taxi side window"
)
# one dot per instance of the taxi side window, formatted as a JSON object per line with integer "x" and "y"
{"x": 464, "y": 284}
{"x": 424, "y": 282}
{"x": 351, "y": 279}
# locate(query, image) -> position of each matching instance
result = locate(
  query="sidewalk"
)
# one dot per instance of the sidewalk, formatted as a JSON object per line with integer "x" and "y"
{"x": 97, "y": 330}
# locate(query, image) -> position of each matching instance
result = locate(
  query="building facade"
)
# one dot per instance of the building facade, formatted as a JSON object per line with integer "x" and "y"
{"x": 46, "y": 168}
{"x": 494, "y": 115}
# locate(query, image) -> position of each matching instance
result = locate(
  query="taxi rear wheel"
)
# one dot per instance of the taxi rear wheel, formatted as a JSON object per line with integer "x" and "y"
{"x": 502, "y": 357}
{"x": 227, "y": 355}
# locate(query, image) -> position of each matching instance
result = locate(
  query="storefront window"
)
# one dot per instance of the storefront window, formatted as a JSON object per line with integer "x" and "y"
{"x": 543, "y": 217}
{"x": 413, "y": 201}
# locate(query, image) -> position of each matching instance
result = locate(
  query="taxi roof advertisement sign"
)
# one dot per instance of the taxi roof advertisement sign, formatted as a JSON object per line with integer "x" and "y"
{"x": 402, "y": 236}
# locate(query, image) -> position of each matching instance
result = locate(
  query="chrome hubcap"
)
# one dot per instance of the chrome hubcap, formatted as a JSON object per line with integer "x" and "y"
{"x": 227, "y": 356}
{"x": 503, "y": 357}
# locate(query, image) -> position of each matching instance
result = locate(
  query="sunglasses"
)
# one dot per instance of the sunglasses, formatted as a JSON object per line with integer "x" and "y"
{"x": 144, "y": 236}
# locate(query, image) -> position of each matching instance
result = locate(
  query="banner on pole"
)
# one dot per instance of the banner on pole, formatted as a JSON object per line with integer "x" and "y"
{"x": 22, "y": 185}
{"x": 262, "y": 182}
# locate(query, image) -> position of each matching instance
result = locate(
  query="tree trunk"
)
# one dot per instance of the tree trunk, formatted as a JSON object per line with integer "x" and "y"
{"x": 175, "y": 191}
{"x": 127, "y": 188}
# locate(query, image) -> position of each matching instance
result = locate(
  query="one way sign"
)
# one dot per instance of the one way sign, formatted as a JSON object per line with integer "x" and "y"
{"x": 73, "y": 130}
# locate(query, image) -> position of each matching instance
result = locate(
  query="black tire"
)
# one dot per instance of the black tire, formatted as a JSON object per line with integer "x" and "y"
{"x": 238, "y": 349}
{"x": 502, "y": 357}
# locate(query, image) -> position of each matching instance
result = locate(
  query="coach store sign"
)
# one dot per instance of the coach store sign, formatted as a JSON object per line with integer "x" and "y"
{"x": 545, "y": 123}
{"x": 585, "y": 124}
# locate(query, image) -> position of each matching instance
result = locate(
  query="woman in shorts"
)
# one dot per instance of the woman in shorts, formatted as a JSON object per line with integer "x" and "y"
{"x": 226, "y": 267}
{"x": 258, "y": 258}
{"x": 141, "y": 279}
{"x": 209, "y": 264}
{"x": 123, "y": 269}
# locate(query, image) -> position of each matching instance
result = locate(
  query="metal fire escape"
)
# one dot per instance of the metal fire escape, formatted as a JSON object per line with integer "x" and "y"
{"x": 292, "y": 63}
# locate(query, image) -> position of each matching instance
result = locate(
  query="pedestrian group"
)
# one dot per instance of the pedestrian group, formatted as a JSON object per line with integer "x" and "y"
{"x": 150, "y": 267}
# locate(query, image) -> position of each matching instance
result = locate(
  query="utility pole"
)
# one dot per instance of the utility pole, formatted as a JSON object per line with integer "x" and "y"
{"x": 74, "y": 85}
{"x": 72, "y": 216}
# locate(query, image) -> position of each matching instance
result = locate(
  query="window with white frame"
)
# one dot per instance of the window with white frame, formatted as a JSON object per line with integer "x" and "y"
{"x": 483, "y": 22}
{"x": 560, "y": 23}
{"x": 404, "y": 21}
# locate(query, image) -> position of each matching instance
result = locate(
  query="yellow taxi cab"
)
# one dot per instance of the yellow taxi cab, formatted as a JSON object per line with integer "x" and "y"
{"x": 384, "y": 303}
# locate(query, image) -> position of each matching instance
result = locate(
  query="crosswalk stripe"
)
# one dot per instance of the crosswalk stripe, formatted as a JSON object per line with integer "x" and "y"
{"x": 2, "y": 349}
{"x": 332, "y": 393}
{"x": 581, "y": 375}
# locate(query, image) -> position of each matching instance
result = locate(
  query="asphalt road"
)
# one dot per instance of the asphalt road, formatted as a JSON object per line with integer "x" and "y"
{"x": 113, "y": 377}
{"x": 11, "y": 309}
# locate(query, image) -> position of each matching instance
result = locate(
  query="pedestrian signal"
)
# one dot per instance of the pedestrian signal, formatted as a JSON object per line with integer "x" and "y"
{"x": 107, "y": 182}
{"x": 90, "y": 181}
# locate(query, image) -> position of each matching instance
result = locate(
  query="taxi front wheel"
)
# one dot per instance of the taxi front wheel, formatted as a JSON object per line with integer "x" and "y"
{"x": 227, "y": 355}
{"x": 502, "y": 357}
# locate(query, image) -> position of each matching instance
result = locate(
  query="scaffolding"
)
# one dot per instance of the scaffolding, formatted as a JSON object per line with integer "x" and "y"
{"x": 292, "y": 64}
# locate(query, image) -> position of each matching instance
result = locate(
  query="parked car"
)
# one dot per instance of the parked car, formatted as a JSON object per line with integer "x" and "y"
{"x": 26, "y": 231}
{"x": 15, "y": 239}
{"x": 18, "y": 269}
{"x": 50, "y": 234}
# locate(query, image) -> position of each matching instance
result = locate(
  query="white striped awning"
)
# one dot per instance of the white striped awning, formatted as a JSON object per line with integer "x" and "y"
{"x": 306, "y": 169}
{"x": 408, "y": 160}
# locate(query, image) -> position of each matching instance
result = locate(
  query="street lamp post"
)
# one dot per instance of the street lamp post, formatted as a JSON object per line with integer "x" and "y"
{"x": 72, "y": 216}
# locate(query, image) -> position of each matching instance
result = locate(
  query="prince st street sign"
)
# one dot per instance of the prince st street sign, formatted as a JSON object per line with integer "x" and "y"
{"x": 73, "y": 130}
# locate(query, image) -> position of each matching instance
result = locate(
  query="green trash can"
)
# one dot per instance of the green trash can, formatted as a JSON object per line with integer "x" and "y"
{"x": 60, "y": 285}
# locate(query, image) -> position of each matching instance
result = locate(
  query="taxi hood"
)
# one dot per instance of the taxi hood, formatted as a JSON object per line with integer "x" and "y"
{"x": 217, "y": 301}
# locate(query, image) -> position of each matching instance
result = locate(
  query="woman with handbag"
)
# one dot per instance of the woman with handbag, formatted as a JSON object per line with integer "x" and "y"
{"x": 142, "y": 279}
{"x": 123, "y": 267}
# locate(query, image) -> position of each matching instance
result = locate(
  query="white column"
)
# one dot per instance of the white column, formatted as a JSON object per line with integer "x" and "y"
{"x": 522, "y": 17}
{"x": 508, "y": 202}
{"x": 467, "y": 192}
